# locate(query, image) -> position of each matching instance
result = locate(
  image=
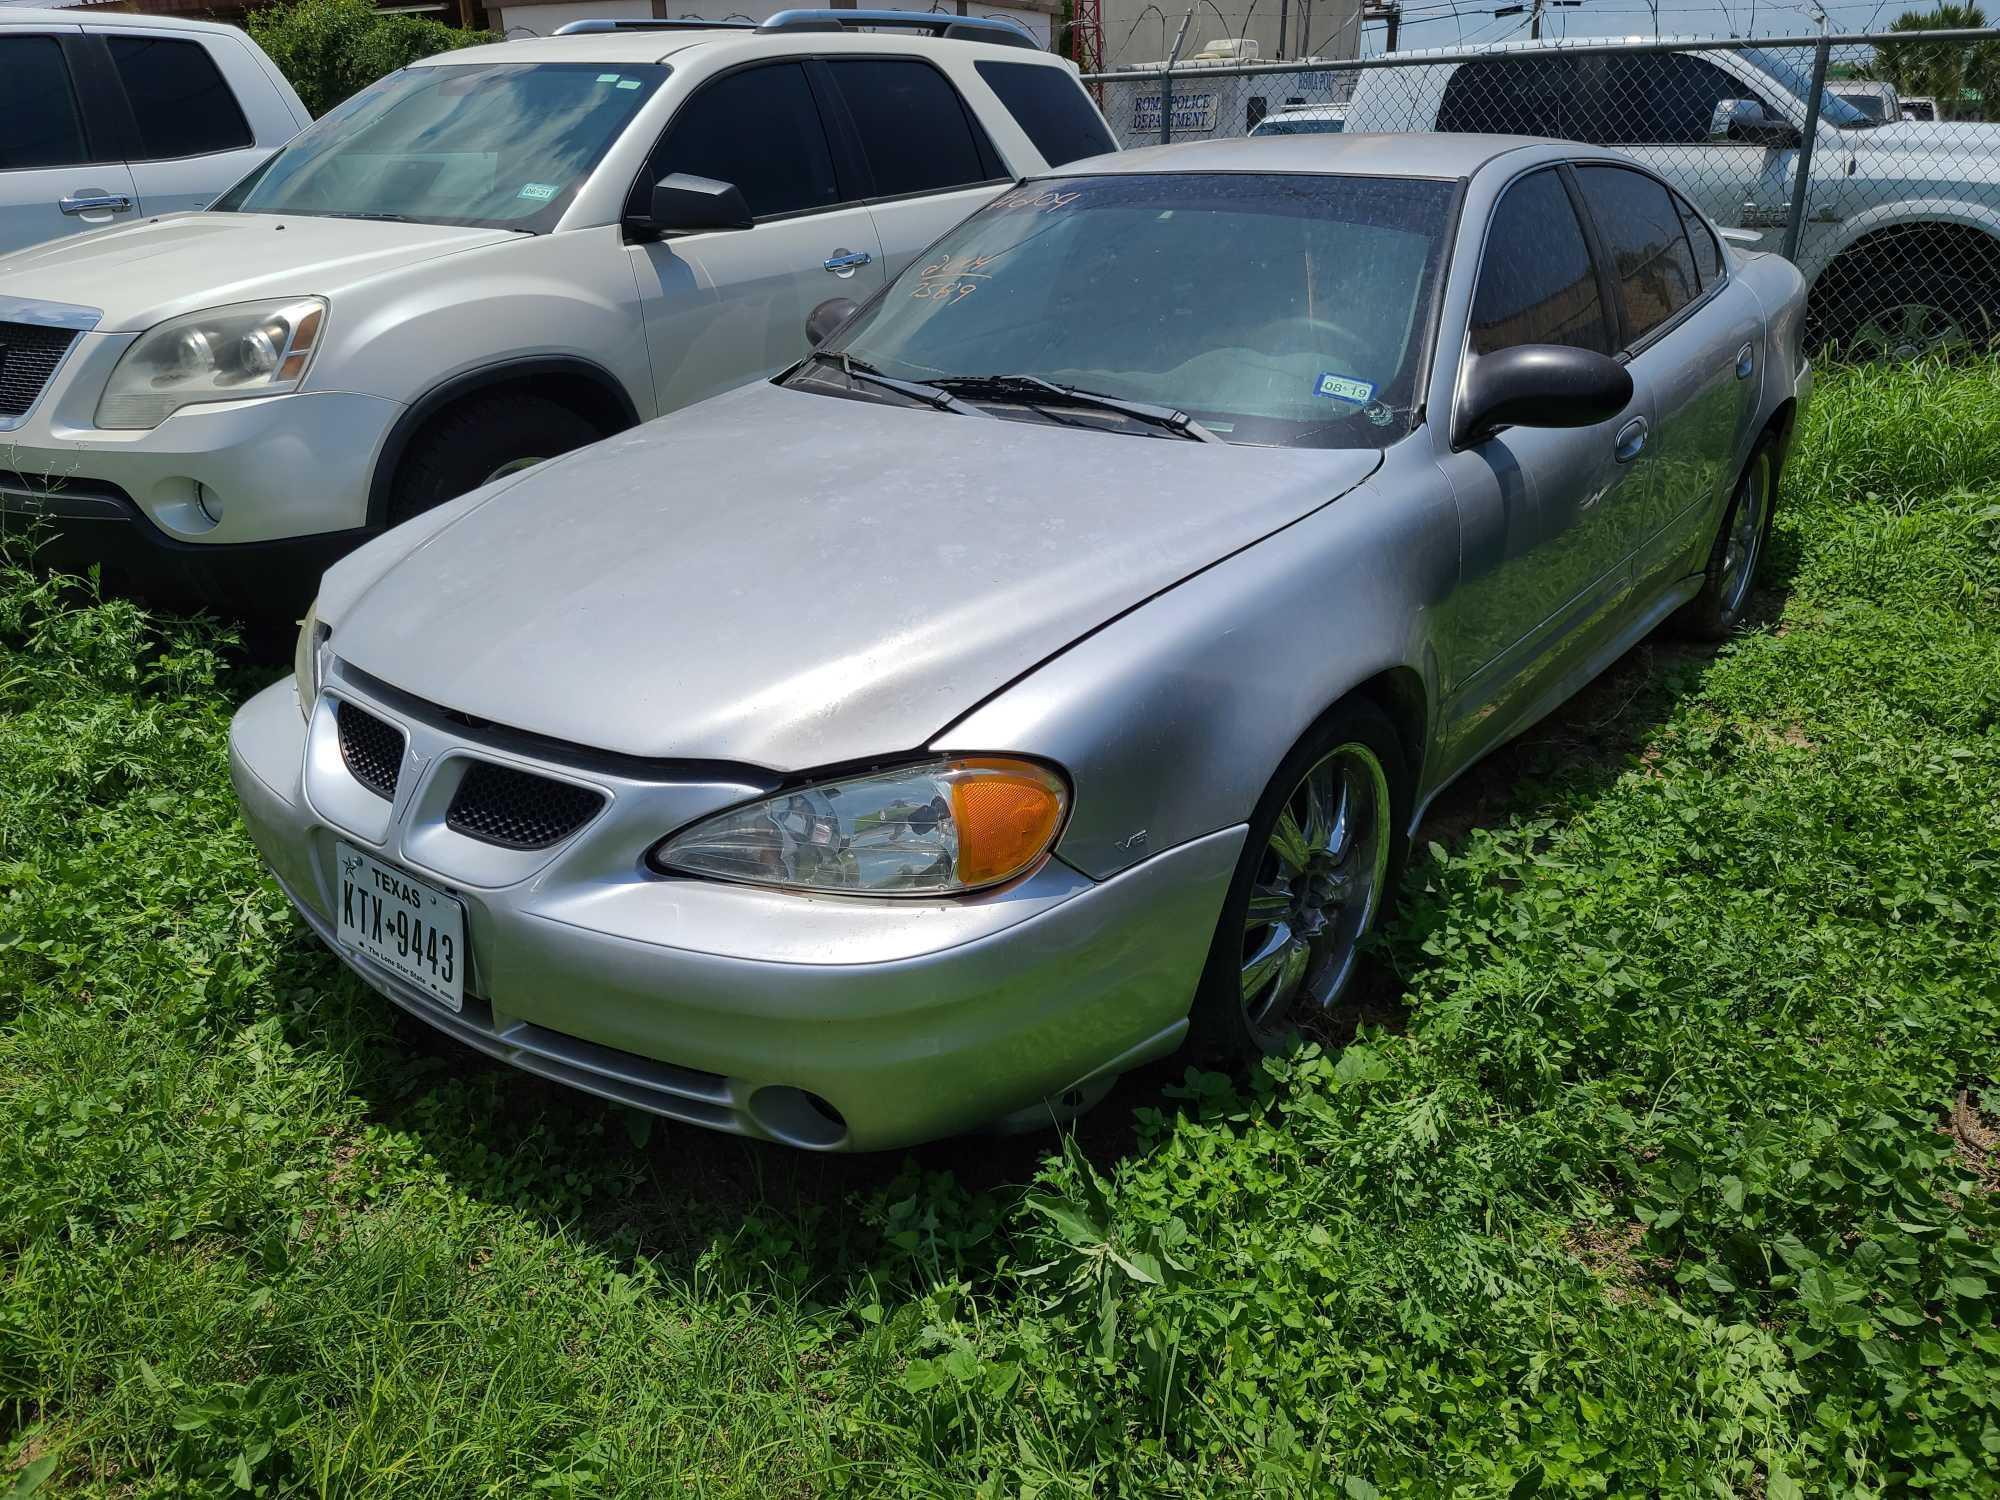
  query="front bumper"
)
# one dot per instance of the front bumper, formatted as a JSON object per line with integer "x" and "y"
{"x": 204, "y": 502}
{"x": 725, "y": 1006}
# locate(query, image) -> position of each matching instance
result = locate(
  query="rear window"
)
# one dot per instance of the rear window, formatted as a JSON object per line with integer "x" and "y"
{"x": 914, "y": 129}
{"x": 1051, "y": 108}
{"x": 39, "y": 124}
{"x": 181, "y": 104}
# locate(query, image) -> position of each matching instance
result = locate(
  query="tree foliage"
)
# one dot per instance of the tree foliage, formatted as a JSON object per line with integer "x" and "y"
{"x": 1944, "y": 71}
{"x": 331, "y": 49}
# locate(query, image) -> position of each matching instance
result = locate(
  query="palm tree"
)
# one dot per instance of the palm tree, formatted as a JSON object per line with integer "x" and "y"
{"x": 1943, "y": 70}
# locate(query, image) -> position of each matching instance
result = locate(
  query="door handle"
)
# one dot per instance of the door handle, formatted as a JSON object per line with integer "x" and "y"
{"x": 842, "y": 261}
{"x": 1631, "y": 440}
{"x": 1746, "y": 361}
{"x": 88, "y": 203}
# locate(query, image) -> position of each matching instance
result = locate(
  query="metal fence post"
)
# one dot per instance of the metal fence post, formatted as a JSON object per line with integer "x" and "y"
{"x": 1795, "y": 224}
{"x": 1167, "y": 81}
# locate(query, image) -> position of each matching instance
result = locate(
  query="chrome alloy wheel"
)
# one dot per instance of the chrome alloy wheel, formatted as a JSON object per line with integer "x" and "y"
{"x": 1746, "y": 535}
{"x": 1317, "y": 889}
{"x": 1906, "y": 331}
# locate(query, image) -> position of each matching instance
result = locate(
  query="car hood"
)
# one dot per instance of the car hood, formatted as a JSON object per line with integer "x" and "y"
{"x": 791, "y": 580}
{"x": 139, "y": 274}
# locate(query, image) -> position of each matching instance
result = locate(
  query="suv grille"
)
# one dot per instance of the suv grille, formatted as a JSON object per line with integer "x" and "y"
{"x": 518, "y": 810}
{"x": 372, "y": 749}
{"x": 29, "y": 354}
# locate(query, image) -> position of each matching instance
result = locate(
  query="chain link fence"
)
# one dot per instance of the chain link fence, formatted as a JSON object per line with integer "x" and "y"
{"x": 1864, "y": 159}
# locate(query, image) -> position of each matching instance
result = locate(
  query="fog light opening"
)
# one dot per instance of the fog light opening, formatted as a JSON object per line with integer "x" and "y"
{"x": 798, "y": 1118}
{"x": 210, "y": 503}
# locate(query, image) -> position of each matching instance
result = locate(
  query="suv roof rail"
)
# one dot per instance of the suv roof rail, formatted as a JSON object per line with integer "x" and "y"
{"x": 951, "y": 28}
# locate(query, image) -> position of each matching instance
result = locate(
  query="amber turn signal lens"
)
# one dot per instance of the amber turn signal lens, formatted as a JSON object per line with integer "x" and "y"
{"x": 1007, "y": 813}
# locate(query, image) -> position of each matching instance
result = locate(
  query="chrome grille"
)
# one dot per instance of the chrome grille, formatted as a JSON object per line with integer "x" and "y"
{"x": 372, "y": 749}
{"x": 516, "y": 809}
{"x": 29, "y": 354}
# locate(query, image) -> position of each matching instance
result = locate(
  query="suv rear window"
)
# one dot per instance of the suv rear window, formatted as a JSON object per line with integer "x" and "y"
{"x": 1051, "y": 108}
{"x": 914, "y": 128}
{"x": 181, "y": 104}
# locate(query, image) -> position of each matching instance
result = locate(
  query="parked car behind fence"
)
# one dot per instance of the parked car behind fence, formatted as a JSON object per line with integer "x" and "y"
{"x": 1895, "y": 222}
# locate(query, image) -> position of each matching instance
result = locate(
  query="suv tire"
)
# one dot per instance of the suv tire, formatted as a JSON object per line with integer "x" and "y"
{"x": 479, "y": 441}
{"x": 1908, "y": 314}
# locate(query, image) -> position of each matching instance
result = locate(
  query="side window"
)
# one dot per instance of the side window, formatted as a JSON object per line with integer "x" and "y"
{"x": 1683, "y": 94}
{"x": 1652, "y": 263}
{"x": 759, "y": 129}
{"x": 1508, "y": 96}
{"x": 179, "y": 100}
{"x": 39, "y": 123}
{"x": 914, "y": 128}
{"x": 1701, "y": 239}
{"x": 1536, "y": 283}
{"x": 1052, "y": 110}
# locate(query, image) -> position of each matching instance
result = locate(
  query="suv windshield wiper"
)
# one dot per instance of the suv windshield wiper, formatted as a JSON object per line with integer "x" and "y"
{"x": 862, "y": 373}
{"x": 1033, "y": 391}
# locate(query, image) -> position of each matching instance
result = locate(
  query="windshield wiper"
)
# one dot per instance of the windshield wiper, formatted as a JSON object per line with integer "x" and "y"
{"x": 862, "y": 373}
{"x": 1033, "y": 391}
{"x": 337, "y": 213}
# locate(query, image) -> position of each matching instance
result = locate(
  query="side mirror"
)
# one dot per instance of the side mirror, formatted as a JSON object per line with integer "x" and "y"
{"x": 1540, "y": 385}
{"x": 1743, "y": 122}
{"x": 682, "y": 203}
{"x": 825, "y": 320}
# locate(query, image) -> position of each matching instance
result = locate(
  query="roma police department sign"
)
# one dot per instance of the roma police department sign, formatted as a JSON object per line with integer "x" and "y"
{"x": 1192, "y": 112}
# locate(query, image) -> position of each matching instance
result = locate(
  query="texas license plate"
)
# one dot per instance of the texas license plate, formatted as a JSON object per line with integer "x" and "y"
{"x": 406, "y": 926}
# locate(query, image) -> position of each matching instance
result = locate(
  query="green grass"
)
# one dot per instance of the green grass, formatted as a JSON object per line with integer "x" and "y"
{"x": 1663, "y": 1168}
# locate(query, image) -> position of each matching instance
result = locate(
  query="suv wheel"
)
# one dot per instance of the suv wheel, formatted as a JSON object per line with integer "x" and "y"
{"x": 480, "y": 441}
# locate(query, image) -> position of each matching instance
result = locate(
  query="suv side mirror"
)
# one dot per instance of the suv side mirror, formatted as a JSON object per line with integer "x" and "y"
{"x": 682, "y": 203}
{"x": 1743, "y": 122}
{"x": 825, "y": 320}
{"x": 1540, "y": 385}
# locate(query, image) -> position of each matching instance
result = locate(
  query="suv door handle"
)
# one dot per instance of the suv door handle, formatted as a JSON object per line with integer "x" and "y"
{"x": 846, "y": 260}
{"x": 1631, "y": 440}
{"x": 86, "y": 203}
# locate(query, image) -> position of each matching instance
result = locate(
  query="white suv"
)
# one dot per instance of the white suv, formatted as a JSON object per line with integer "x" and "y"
{"x": 485, "y": 260}
{"x": 1901, "y": 243}
{"x": 105, "y": 117}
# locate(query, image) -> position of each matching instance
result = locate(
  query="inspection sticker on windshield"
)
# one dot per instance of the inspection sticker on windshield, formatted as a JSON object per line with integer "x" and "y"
{"x": 1344, "y": 388}
{"x": 540, "y": 190}
{"x": 607, "y": 77}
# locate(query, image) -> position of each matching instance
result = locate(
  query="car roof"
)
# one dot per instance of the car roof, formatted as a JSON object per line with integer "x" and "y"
{"x": 91, "y": 15}
{"x": 1416, "y": 154}
{"x": 642, "y": 46}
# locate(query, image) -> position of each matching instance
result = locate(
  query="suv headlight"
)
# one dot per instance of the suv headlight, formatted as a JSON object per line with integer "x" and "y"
{"x": 309, "y": 658}
{"x": 224, "y": 354}
{"x": 936, "y": 829}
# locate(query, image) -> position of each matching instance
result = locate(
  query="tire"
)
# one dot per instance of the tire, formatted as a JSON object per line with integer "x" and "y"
{"x": 479, "y": 441}
{"x": 1231, "y": 1021}
{"x": 1740, "y": 544}
{"x": 1909, "y": 314}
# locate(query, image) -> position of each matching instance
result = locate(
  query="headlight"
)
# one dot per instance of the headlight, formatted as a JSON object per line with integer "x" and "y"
{"x": 225, "y": 354}
{"x": 309, "y": 658}
{"x": 935, "y": 829}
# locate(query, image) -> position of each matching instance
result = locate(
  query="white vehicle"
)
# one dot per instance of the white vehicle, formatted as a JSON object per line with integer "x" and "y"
{"x": 1901, "y": 243}
{"x": 1303, "y": 119}
{"x": 105, "y": 118}
{"x": 1919, "y": 107}
{"x": 487, "y": 259}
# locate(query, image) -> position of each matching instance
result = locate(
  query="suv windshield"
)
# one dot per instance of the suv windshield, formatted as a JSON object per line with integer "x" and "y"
{"x": 495, "y": 145}
{"x": 1282, "y": 309}
{"x": 1797, "y": 82}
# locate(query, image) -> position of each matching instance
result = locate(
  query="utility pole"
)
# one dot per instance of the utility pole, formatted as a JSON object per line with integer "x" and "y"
{"x": 1389, "y": 11}
{"x": 1535, "y": 22}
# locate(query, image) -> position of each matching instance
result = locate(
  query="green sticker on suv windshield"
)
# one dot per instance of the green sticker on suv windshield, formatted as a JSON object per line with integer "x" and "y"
{"x": 540, "y": 190}
{"x": 607, "y": 77}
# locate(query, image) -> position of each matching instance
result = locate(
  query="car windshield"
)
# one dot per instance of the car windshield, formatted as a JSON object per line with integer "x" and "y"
{"x": 1872, "y": 105}
{"x": 1798, "y": 83}
{"x": 1272, "y": 309}
{"x": 497, "y": 145}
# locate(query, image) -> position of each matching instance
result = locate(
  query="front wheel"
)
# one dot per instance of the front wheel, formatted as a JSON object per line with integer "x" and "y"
{"x": 1316, "y": 872}
{"x": 481, "y": 441}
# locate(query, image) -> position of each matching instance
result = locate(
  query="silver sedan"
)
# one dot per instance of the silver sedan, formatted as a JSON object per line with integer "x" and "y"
{"x": 1048, "y": 671}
